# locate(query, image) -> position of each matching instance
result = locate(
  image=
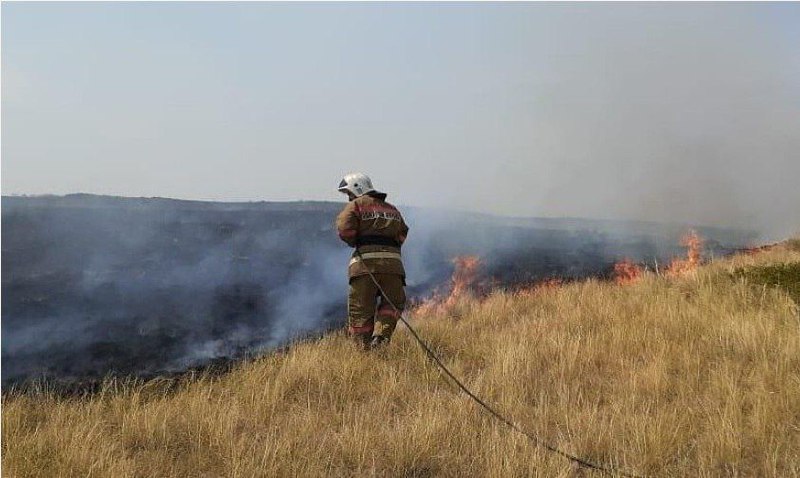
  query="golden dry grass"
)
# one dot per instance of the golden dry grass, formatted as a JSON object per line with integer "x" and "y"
{"x": 697, "y": 376}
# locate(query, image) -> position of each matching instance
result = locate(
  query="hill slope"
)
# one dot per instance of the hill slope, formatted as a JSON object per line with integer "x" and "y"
{"x": 94, "y": 284}
{"x": 691, "y": 376}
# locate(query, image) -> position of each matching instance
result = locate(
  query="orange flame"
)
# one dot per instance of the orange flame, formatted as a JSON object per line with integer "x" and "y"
{"x": 462, "y": 284}
{"x": 753, "y": 250}
{"x": 463, "y": 277}
{"x": 626, "y": 272}
{"x": 550, "y": 284}
{"x": 694, "y": 252}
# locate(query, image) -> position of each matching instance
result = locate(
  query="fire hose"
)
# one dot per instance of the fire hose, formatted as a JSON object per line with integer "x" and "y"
{"x": 609, "y": 470}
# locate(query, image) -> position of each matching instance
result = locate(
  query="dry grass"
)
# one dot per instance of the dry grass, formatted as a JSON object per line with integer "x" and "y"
{"x": 698, "y": 376}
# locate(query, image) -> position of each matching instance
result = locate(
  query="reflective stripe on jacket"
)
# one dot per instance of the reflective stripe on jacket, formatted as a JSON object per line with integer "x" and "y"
{"x": 377, "y": 229}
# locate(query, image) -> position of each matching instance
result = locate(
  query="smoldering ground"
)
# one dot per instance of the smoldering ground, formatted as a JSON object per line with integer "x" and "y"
{"x": 95, "y": 285}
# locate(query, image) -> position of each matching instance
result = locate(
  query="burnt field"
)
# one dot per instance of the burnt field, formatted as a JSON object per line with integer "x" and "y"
{"x": 94, "y": 285}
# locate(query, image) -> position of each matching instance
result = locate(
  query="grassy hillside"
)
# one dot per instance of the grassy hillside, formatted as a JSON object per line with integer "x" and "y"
{"x": 697, "y": 375}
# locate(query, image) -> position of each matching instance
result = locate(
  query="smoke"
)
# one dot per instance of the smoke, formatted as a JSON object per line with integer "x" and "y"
{"x": 669, "y": 113}
{"x": 682, "y": 112}
{"x": 93, "y": 285}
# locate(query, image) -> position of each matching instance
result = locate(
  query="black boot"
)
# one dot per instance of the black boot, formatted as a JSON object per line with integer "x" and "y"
{"x": 378, "y": 342}
{"x": 363, "y": 340}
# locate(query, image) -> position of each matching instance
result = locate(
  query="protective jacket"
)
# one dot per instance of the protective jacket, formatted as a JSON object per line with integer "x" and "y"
{"x": 377, "y": 230}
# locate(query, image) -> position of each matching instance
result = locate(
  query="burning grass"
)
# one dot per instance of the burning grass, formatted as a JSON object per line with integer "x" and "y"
{"x": 694, "y": 255}
{"x": 691, "y": 375}
{"x": 463, "y": 284}
{"x": 627, "y": 272}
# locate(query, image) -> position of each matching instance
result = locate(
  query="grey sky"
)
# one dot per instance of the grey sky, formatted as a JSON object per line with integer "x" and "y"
{"x": 675, "y": 112}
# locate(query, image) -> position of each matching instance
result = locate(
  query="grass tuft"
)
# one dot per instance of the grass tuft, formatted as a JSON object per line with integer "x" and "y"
{"x": 785, "y": 276}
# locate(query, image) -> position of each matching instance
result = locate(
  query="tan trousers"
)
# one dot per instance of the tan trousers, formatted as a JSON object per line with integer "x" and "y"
{"x": 369, "y": 314}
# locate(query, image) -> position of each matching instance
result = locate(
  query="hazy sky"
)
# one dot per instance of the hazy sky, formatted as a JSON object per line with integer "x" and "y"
{"x": 676, "y": 112}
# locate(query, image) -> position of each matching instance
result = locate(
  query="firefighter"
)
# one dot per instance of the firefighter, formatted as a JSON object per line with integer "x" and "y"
{"x": 376, "y": 230}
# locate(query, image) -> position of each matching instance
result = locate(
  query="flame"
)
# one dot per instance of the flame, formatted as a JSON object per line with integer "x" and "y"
{"x": 694, "y": 251}
{"x": 463, "y": 279}
{"x": 550, "y": 284}
{"x": 753, "y": 250}
{"x": 462, "y": 283}
{"x": 627, "y": 272}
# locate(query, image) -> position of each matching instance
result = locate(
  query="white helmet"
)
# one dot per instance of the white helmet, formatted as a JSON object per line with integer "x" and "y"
{"x": 357, "y": 183}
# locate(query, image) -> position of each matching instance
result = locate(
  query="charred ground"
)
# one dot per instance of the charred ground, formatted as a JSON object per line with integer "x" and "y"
{"x": 95, "y": 285}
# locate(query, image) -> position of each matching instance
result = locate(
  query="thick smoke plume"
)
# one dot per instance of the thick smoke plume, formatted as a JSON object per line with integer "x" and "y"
{"x": 93, "y": 285}
{"x": 664, "y": 112}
